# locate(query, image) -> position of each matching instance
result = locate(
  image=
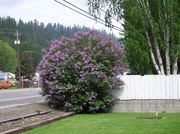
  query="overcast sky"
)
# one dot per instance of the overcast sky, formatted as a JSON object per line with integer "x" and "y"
{"x": 49, "y": 11}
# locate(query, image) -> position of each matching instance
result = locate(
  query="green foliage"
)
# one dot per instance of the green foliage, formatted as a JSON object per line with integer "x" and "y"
{"x": 164, "y": 15}
{"x": 30, "y": 57}
{"x": 35, "y": 36}
{"x": 78, "y": 74}
{"x": 7, "y": 57}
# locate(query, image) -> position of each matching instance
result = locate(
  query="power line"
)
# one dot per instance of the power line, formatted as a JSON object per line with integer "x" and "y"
{"x": 118, "y": 29}
{"x": 113, "y": 26}
{"x": 89, "y": 13}
{"x": 77, "y": 11}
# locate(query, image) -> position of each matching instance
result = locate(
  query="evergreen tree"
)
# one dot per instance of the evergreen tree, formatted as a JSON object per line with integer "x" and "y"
{"x": 151, "y": 32}
{"x": 35, "y": 36}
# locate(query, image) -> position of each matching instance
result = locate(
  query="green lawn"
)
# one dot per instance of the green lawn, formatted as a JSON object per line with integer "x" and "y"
{"x": 113, "y": 123}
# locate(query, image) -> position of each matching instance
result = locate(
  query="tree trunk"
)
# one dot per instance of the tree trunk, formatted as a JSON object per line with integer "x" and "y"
{"x": 151, "y": 22}
{"x": 159, "y": 58}
{"x": 175, "y": 66}
{"x": 152, "y": 54}
{"x": 166, "y": 40}
{"x": 167, "y": 51}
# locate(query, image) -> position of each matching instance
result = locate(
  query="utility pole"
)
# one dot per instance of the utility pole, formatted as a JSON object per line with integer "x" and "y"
{"x": 17, "y": 42}
{"x": 31, "y": 67}
{"x": 31, "y": 61}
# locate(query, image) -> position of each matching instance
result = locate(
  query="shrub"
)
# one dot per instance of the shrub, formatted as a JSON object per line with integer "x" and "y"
{"x": 78, "y": 74}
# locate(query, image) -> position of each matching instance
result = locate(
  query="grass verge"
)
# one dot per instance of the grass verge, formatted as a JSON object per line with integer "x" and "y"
{"x": 113, "y": 123}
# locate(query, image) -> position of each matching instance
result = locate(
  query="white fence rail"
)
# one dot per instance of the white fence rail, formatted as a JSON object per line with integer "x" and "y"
{"x": 149, "y": 87}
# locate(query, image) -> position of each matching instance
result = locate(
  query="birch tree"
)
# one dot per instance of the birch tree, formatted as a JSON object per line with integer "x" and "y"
{"x": 151, "y": 32}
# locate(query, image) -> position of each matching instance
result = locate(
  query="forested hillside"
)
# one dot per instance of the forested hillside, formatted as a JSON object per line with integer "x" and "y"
{"x": 34, "y": 36}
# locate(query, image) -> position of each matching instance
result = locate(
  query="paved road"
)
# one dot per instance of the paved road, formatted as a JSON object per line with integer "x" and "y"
{"x": 17, "y": 97}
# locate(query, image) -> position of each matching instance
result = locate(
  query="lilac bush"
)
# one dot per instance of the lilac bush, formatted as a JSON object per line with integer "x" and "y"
{"x": 78, "y": 74}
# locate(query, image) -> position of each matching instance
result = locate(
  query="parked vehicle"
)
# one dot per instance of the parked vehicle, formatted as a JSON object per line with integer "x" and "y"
{"x": 7, "y": 80}
{"x": 4, "y": 84}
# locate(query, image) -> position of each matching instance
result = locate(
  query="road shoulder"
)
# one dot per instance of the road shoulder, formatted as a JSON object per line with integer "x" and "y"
{"x": 18, "y": 120}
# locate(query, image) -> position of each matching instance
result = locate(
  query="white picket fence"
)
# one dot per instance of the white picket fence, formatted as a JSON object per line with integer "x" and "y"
{"x": 149, "y": 87}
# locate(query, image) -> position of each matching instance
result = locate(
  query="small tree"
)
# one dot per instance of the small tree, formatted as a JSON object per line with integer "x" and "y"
{"x": 7, "y": 58}
{"x": 78, "y": 74}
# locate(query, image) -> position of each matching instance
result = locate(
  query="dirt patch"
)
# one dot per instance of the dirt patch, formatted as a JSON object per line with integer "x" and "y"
{"x": 149, "y": 117}
{"x": 21, "y": 118}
